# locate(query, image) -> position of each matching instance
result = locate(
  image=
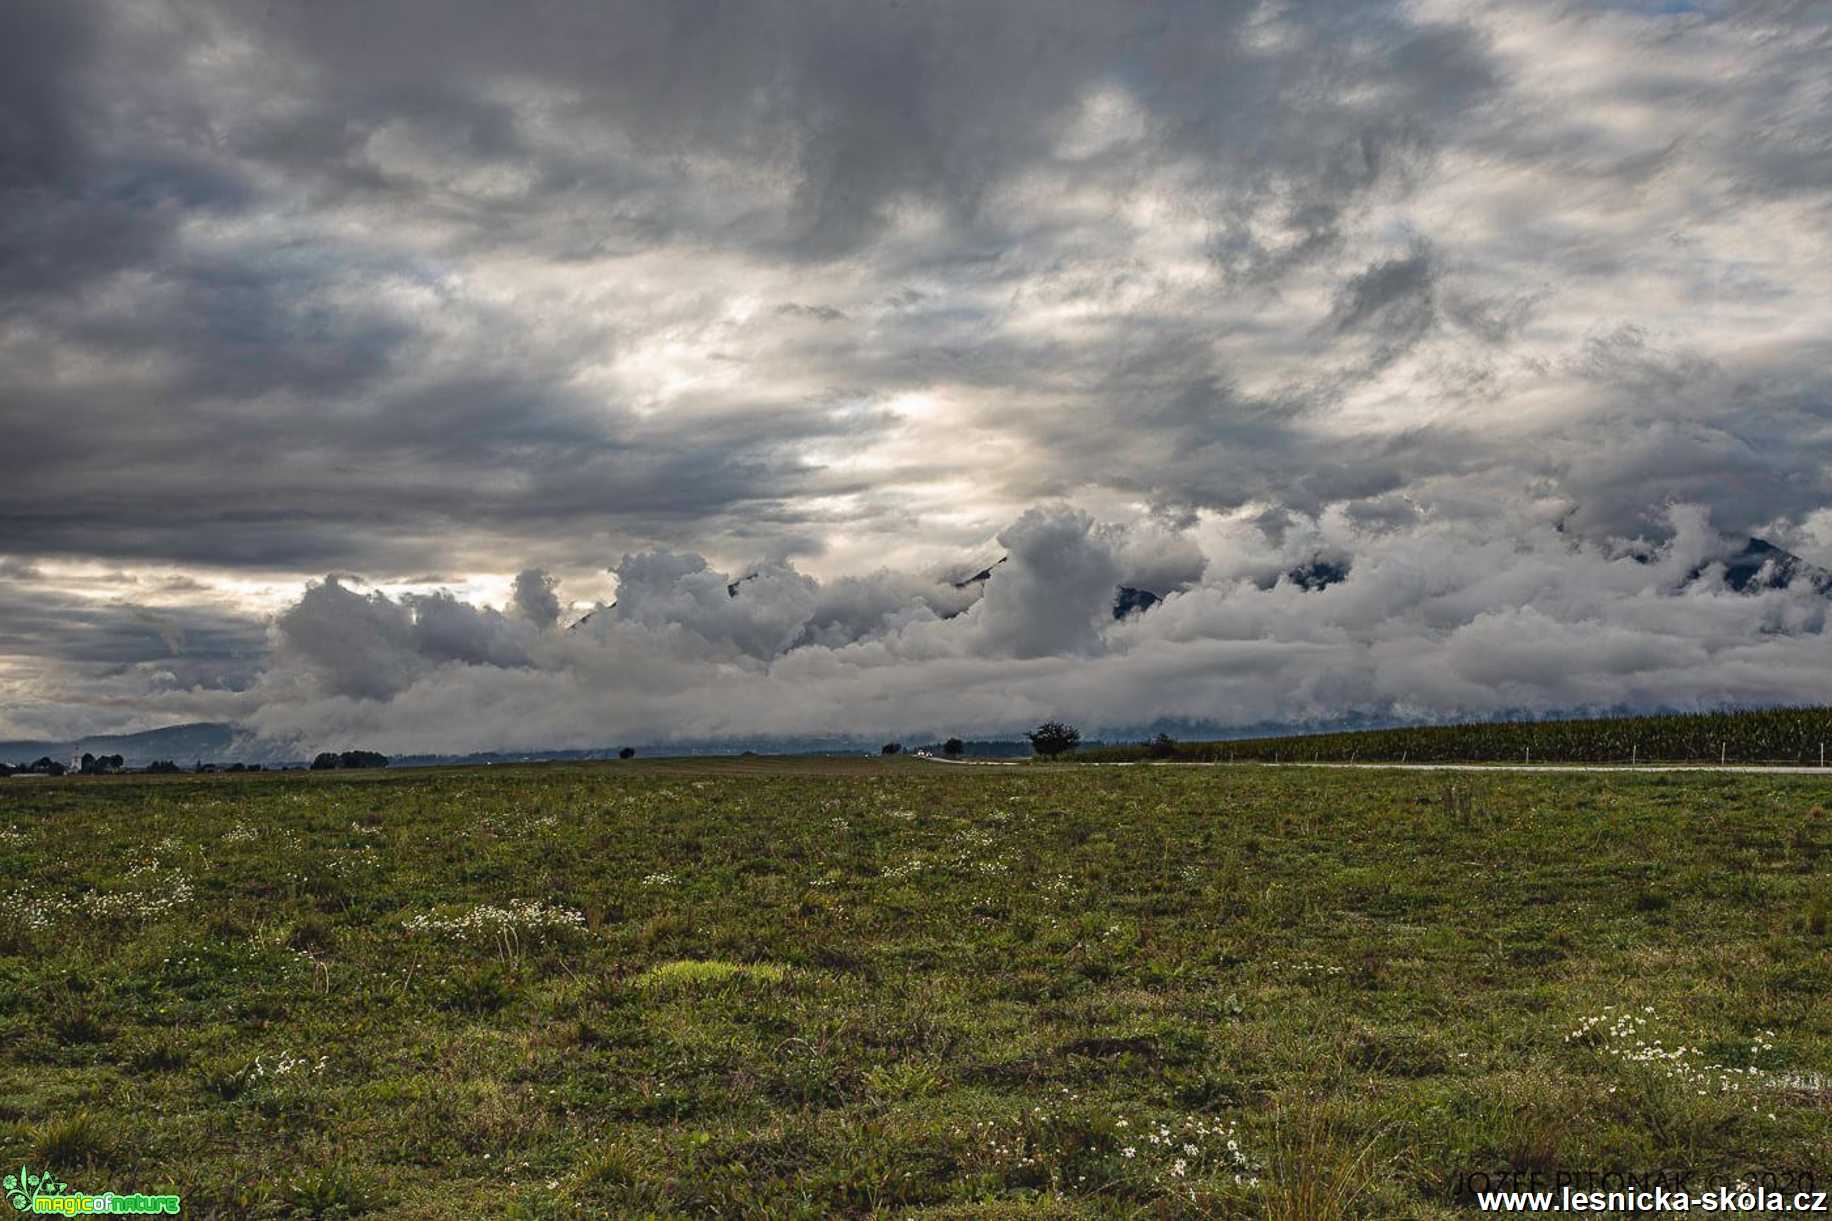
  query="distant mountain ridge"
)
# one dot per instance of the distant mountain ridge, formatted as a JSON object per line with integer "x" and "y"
{"x": 1318, "y": 573}
{"x": 1761, "y": 565}
{"x": 982, "y": 576}
{"x": 198, "y": 741}
{"x": 1126, "y": 599}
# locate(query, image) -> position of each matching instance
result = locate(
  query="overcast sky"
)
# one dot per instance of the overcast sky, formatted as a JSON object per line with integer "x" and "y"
{"x": 321, "y": 322}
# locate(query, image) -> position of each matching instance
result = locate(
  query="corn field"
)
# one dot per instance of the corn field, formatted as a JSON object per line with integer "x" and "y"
{"x": 1775, "y": 736}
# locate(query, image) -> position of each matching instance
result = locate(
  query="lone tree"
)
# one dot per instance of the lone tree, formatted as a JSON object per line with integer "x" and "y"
{"x": 628, "y": 752}
{"x": 1162, "y": 747}
{"x": 1053, "y": 738}
{"x": 891, "y": 748}
{"x": 954, "y": 748}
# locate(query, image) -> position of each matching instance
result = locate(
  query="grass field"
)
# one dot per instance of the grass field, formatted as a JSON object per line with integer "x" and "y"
{"x": 805, "y": 988}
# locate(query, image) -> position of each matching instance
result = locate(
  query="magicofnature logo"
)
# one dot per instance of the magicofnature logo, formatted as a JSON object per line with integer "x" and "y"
{"x": 25, "y": 1187}
{"x": 45, "y": 1193}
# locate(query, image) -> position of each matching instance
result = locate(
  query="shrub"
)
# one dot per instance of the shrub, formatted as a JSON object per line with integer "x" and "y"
{"x": 1053, "y": 738}
{"x": 628, "y": 752}
{"x": 891, "y": 748}
{"x": 954, "y": 748}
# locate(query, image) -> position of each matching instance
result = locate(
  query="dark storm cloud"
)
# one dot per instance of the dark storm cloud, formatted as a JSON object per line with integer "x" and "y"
{"x": 479, "y": 289}
{"x": 199, "y": 645}
{"x": 535, "y": 598}
{"x": 274, "y": 349}
{"x": 98, "y": 653}
{"x": 59, "y": 225}
{"x": 1393, "y": 301}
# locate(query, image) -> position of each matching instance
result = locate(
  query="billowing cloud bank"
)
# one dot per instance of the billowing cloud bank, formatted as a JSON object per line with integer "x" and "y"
{"x": 1431, "y": 623}
{"x": 440, "y": 292}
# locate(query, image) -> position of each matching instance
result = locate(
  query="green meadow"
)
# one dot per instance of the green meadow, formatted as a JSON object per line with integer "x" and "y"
{"x": 805, "y": 988}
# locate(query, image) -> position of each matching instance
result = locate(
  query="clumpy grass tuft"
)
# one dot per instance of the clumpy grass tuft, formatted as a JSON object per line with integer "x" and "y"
{"x": 78, "y": 1027}
{"x": 68, "y": 1142}
{"x": 223, "y": 1080}
{"x": 1816, "y": 920}
{"x": 158, "y": 1054}
{"x": 313, "y": 932}
{"x": 1317, "y": 1169}
{"x": 685, "y": 973}
{"x": 331, "y": 1193}
{"x": 483, "y": 990}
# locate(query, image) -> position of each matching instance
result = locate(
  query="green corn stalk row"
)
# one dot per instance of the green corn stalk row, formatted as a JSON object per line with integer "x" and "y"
{"x": 1772, "y": 736}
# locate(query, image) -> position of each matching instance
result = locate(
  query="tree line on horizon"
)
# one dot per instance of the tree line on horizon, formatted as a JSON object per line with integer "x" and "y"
{"x": 1049, "y": 739}
{"x": 332, "y": 759}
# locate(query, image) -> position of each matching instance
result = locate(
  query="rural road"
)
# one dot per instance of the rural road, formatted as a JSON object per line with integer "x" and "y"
{"x": 1627, "y": 768}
